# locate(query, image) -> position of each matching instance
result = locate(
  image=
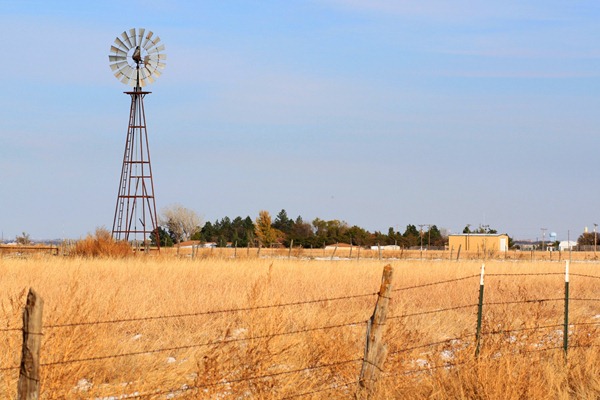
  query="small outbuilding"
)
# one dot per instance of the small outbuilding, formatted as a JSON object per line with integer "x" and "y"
{"x": 566, "y": 245}
{"x": 478, "y": 241}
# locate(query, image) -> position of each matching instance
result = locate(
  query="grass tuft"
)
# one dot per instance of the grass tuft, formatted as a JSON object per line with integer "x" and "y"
{"x": 101, "y": 244}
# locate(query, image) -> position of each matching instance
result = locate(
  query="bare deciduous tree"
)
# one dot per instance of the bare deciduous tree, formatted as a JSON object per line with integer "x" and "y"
{"x": 23, "y": 239}
{"x": 181, "y": 222}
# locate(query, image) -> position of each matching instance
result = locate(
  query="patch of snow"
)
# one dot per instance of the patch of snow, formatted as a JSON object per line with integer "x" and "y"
{"x": 421, "y": 363}
{"x": 83, "y": 385}
{"x": 238, "y": 332}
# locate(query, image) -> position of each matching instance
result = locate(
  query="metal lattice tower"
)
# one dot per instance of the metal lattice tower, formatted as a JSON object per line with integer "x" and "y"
{"x": 136, "y": 59}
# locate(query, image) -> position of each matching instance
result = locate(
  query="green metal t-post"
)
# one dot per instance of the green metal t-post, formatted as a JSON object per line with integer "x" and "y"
{"x": 566, "y": 325}
{"x": 479, "y": 311}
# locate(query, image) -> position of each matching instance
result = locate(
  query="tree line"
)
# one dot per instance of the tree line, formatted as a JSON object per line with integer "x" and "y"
{"x": 283, "y": 231}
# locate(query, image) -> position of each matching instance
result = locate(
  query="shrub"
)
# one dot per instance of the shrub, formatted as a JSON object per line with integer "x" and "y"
{"x": 101, "y": 244}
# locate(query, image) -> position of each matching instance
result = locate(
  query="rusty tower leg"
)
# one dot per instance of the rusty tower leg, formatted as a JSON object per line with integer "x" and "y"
{"x": 135, "y": 213}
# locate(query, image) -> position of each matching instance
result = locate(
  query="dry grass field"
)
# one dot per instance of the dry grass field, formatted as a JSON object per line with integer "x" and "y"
{"x": 214, "y": 327}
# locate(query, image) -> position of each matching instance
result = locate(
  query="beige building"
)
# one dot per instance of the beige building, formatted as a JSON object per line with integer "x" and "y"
{"x": 478, "y": 242}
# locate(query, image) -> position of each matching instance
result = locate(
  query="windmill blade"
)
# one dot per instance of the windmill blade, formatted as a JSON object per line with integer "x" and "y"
{"x": 152, "y": 67}
{"x": 133, "y": 37}
{"x": 118, "y": 65}
{"x": 127, "y": 70}
{"x": 116, "y": 58}
{"x": 149, "y": 76}
{"x": 125, "y": 80}
{"x": 155, "y": 41}
{"x": 162, "y": 57}
{"x": 126, "y": 38}
{"x": 142, "y": 73}
{"x": 117, "y": 51}
{"x": 120, "y": 43}
{"x": 143, "y": 81}
{"x": 162, "y": 65}
{"x": 146, "y": 39}
{"x": 140, "y": 36}
{"x": 122, "y": 77}
{"x": 157, "y": 49}
{"x": 152, "y": 60}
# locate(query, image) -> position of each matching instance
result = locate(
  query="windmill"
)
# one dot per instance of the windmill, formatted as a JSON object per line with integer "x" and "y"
{"x": 136, "y": 59}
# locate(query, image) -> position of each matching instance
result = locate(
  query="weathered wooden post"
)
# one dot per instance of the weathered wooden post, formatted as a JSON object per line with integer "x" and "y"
{"x": 29, "y": 375}
{"x": 334, "y": 250}
{"x": 291, "y": 246}
{"x": 458, "y": 252}
{"x": 375, "y": 349}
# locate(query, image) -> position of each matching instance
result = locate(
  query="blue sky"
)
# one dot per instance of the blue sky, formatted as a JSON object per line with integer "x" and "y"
{"x": 379, "y": 113}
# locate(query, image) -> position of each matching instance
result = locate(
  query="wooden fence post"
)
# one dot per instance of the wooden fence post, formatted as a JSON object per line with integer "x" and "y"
{"x": 334, "y": 250}
{"x": 29, "y": 374}
{"x": 375, "y": 349}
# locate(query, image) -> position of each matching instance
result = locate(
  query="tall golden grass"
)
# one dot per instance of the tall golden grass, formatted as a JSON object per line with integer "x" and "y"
{"x": 159, "y": 350}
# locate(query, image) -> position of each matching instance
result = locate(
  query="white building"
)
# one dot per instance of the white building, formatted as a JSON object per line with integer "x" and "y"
{"x": 567, "y": 245}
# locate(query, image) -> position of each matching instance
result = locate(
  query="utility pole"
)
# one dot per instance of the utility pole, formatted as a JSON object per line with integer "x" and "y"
{"x": 595, "y": 237}
{"x": 429, "y": 236}
{"x": 421, "y": 234}
{"x": 543, "y": 236}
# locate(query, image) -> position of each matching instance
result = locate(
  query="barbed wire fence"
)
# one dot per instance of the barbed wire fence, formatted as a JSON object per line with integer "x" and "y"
{"x": 401, "y": 357}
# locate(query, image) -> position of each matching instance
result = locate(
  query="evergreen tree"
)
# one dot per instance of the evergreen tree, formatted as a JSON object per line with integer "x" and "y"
{"x": 283, "y": 223}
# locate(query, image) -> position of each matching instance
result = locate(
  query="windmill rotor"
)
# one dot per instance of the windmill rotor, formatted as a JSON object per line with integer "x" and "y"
{"x": 137, "y": 57}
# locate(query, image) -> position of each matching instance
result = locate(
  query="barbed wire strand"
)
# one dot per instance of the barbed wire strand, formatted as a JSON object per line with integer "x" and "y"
{"x": 11, "y": 329}
{"x": 445, "y": 341}
{"x": 582, "y": 299}
{"x": 232, "y": 310}
{"x": 185, "y": 347}
{"x": 497, "y": 303}
{"x": 526, "y": 274}
{"x": 584, "y": 323}
{"x": 533, "y": 328}
{"x": 436, "y": 283}
{"x": 338, "y": 386}
{"x": 584, "y": 275}
{"x": 543, "y": 349}
{"x": 250, "y": 378}
{"x": 416, "y": 371}
{"x": 432, "y": 311}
